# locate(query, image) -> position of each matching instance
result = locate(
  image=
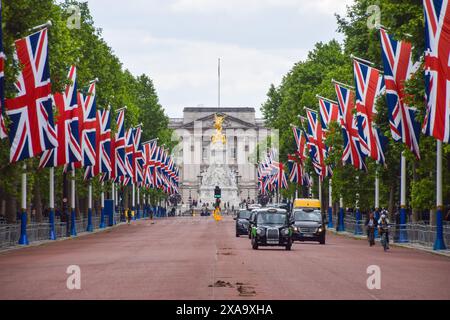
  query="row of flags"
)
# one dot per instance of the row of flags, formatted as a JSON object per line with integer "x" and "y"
{"x": 355, "y": 109}
{"x": 81, "y": 135}
{"x": 271, "y": 174}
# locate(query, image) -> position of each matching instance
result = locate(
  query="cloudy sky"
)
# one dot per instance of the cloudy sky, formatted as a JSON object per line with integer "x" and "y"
{"x": 177, "y": 43}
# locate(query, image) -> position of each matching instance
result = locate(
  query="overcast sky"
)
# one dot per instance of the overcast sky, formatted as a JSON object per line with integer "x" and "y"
{"x": 177, "y": 43}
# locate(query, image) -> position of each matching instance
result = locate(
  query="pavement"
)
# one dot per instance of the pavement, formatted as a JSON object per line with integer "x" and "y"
{"x": 199, "y": 258}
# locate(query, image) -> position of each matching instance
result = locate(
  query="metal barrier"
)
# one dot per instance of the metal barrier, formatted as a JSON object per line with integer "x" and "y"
{"x": 417, "y": 233}
{"x": 10, "y": 233}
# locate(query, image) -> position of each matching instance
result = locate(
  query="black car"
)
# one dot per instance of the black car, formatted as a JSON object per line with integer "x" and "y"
{"x": 242, "y": 222}
{"x": 308, "y": 225}
{"x": 271, "y": 227}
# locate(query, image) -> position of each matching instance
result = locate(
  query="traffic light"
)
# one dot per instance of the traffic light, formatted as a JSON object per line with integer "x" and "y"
{"x": 217, "y": 193}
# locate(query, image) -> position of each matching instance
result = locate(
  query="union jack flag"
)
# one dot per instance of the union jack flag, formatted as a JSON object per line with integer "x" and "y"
{"x": 295, "y": 169}
{"x": 437, "y": 69}
{"x": 369, "y": 85}
{"x": 88, "y": 125}
{"x": 103, "y": 146}
{"x": 329, "y": 111}
{"x": 150, "y": 150}
{"x": 138, "y": 156}
{"x": 316, "y": 144}
{"x": 67, "y": 125}
{"x": 3, "y": 133}
{"x": 118, "y": 148}
{"x": 352, "y": 152}
{"x": 31, "y": 130}
{"x": 300, "y": 141}
{"x": 398, "y": 67}
{"x": 129, "y": 156}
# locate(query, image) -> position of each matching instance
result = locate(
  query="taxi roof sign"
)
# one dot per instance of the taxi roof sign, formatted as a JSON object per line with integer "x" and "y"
{"x": 307, "y": 203}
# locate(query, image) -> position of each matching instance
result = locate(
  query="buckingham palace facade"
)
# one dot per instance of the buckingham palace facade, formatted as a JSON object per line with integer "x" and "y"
{"x": 232, "y": 165}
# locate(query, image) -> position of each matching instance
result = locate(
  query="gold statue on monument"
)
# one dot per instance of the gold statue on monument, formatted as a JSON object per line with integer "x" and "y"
{"x": 218, "y": 136}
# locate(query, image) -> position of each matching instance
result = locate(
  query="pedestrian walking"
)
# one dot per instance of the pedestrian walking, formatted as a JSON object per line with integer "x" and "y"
{"x": 371, "y": 223}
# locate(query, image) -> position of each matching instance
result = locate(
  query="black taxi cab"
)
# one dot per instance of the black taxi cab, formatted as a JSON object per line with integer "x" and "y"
{"x": 271, "y": 227}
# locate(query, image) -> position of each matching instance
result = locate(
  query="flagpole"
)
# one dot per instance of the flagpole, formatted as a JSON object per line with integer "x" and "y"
{"x": 133, "y": 200}
{"x": 51, "y": 216}
{"x": 138, "y": 205}
{"x": 113, "y": 196}
{"x": 23, "y": 240}
{"x": 330, "y": 204}
{"x": 340, "y": 223}
{"x": 102, "y": 210}
{"x": 73, "y": 227}
{"x": 90, "y": 227}
{"x": 439, "y": 243}
{"x": 403, "y": 236}
{"x": 320, "y": 192}
{"x": 377, "y": 200}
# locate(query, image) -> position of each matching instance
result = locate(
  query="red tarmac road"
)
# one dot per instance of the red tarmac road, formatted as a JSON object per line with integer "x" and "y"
{"x": 198, "y": 258}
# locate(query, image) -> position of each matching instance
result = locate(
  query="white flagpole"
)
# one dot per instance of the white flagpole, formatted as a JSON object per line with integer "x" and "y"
{"x": 102, "y": 200}
{"x": 52, "y": 234}
{"x": 23, "y": 220}
{"x": 90, "y": 227}
{"x": 138, "y": 214}
{"x": 73, "y": 229}
{"x": 133, "y": 201}
{"x": 330, "y": 204}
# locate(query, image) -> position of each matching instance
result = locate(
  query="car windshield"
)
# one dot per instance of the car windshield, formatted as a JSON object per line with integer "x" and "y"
{"x": 307, "y": 215}
{"x": 271, "y": 218}
{"x": 244, "y": 214}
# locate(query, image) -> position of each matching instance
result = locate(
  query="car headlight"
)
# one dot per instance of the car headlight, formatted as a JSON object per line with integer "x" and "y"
{"x": 285, "y": 231}
{"x": 295, "y": 228}
{"x": 259, "y": 231}
{"x": 320, "y": 229}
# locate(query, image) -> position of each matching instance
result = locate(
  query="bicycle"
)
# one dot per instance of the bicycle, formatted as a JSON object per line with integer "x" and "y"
{"x": 384, "y": 239}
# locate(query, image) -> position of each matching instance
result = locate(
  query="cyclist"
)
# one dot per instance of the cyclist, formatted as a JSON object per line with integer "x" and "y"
{"x": 383, "y": 227}
{"x": 371, "y": 224}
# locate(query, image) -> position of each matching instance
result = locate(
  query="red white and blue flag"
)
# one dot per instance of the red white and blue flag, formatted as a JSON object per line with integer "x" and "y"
{"x": 149, "y": 168}
{"x": 118, "y": 148}
{"x": 300, "y": 141}
{"x": 103, "y": 146}
{"x": 316, "y": 143}
{"x": 398, "y": 68}
{"x": 329, "y": 112}
{"x": 437, "y": 69}
{"x": 88, "y": 126}
{"x": 295, "y": 169}
{"x": 352, "y": 152}
{"x": 138, "y": 156}
{"x": 67, "y": 126}
{"x": 369, "y": 85}
{"x": 31, "y": 130}
{"x": 129, "y": 157}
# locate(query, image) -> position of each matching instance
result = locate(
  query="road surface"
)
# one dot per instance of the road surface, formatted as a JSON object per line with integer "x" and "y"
{"x": 198, "y": 258}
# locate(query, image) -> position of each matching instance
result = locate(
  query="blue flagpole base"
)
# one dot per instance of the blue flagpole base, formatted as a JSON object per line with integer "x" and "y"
{"x": 439, "y": 243}
{"x": 340, "y": 225}
{"x": 90, "y": 227}
{"x": 102, "y": 219}
{"x": 403, "y": 235}
{"x": 330, "y": 217}
{"x": 358, "y": 230}
{"x": 23, "y": 240}
{"x": 51, "y": 220}
{"x": 73, "y": 226}
{"x": 377, "y": 217}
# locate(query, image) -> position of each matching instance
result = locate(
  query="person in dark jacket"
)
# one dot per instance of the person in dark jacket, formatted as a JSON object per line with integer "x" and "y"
{"x": 371, "y": 224}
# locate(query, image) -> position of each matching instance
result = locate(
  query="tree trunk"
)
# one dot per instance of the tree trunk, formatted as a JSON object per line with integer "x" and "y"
{"x": 37, "y": 202}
